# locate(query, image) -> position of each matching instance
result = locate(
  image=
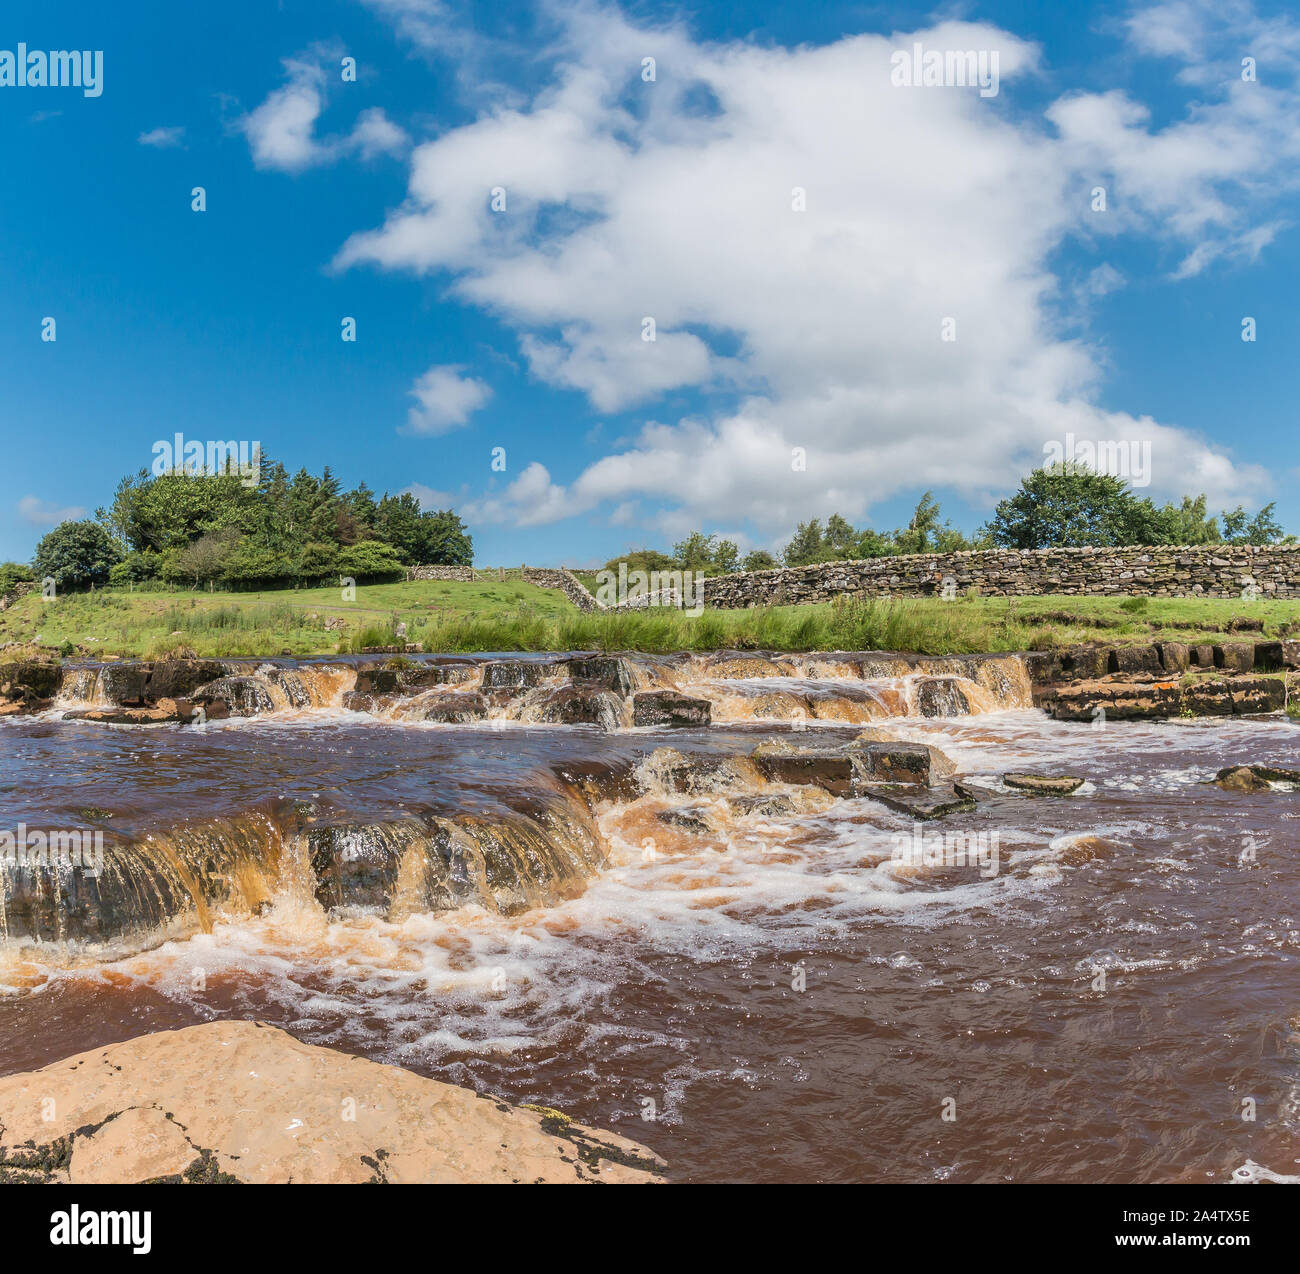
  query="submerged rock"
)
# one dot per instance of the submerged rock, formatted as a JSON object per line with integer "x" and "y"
{"x": 731, "y": 665}
{"x": 1044, "y": 784}
{"x": 941, "y": 766}
{"x": 1240, "y": 778}
{"x": 688, "y": 818}
{"x": 241, "y": 696}
{"x": 27, "y": 686}
{"x": 774, "y": 806}
{"x": 515, "y": 674}
{"x": 450, "y": 707}
{"x": 670, "y": 707}
{"x": 942, "y": 697}
{"x": 828, "y": 769}
{"x": 578, "y": 703}
{"x": 894, "y": 762}
{"x": 164, "y": 712}
{"x": 243, "y": 1101}
{"x": 608, "y": 671}
{"x": 918, "y": 802}
{"x": 1255, "y": 778}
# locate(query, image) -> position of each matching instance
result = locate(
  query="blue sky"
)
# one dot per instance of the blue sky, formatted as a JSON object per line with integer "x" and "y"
{"x": 777, "y": 331}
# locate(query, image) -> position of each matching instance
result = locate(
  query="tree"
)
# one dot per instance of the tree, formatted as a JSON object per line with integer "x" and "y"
{"x": 925, "y": 533}
{"x": 759, "y": 560}
{"x": 1187, "y": 523}
{"x": 726, "y": 557}
{"x": 318, "y": 561}
{"x": 76, "y": 554}
{"x": 840, "y": 539}
{"x": 369, "y": 559}
{"x": 1069, "y": 505}
{"x": 875, "y": 544}
{"x": 1263, "y": 528}
{"x": 806, "y": 546}
{"x": 12, "y": 574}
{"x": 443, "y": 540}
{"x": 205, "y": 561}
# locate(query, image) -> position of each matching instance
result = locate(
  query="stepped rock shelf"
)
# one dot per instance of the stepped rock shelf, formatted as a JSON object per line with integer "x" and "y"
{"x": 714, "y": 737}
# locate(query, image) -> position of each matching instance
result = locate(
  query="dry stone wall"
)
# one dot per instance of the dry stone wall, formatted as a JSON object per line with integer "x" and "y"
{"x": 458, "y": 574}
{"x": 1205, "y": 571}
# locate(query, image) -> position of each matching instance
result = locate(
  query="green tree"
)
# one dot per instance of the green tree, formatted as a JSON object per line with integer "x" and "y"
{"x": 76, "y": 554}
{"x": 1070, "y": 505}
{"x": 840, "y": 540}
{"x": 369, "y": 559}
{"x": 13, "y": 573}
{"x": 1188, "y": 523}
{"x": 318, "y": 560}
{"x": 443, "y": 540}
{"x": 1263, "y": 528}
{"x": 806, "y": 546}
{"x": 759, "y": 560}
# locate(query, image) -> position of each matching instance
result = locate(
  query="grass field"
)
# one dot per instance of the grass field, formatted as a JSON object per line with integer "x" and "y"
{"x": 493, "y": 615}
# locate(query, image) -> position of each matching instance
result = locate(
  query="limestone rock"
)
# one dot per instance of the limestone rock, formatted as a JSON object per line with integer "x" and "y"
{"x": 245, "y": 1101}
{"x": 1044, "y": 784}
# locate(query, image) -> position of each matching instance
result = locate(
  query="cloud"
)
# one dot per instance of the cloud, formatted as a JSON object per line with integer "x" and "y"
{"x": 675, "y": 199}
{"x": 428, "y": 497}
{"x": 445, "y": 400}
{"x": 530, "y": 500}
{"x": 281, "y": 132}
{"x": 36, "y": 512}
{"x": 163, "y": 138}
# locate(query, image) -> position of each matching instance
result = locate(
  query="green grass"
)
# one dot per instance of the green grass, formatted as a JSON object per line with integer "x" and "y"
{"x": 510, "y": 615}
{"x": 262, "y": 623}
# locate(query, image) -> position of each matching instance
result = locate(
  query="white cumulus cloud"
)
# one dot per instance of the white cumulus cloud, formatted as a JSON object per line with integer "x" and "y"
{"x": 444, "y": 400}
{"x": 281, "y": 132}
{"x": 676, "y": 200}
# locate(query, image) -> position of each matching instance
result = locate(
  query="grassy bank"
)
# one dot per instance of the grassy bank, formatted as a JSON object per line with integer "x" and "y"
{"x": 493, "y": 615}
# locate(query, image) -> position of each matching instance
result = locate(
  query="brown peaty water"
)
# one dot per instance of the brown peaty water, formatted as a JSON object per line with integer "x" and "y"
{"x": 757, "y": 997}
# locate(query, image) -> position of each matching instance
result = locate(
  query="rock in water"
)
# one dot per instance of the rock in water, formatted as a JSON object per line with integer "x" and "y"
{"x": 1254, "y": 778}
{"x": 244, "y": 1101}
{"x": 1044, "y": 784}
{"x": 668, "y": 707}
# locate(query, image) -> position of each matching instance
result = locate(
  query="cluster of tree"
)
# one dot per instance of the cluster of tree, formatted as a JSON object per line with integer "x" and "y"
{"x": 1059, "y": 506}
{"x": 1072, "y": 505}
{"x": 196, "y": 530}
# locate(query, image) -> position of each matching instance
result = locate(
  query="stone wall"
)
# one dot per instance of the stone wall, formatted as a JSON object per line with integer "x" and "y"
{"x": 20, "y": 590}
{"x": 566, "y": 582}
{"x": 1204, "y": 571}
{"x": 543, "y": 577}
{"x": 459, "y": 574}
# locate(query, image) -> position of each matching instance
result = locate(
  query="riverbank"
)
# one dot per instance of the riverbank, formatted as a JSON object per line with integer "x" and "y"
{"x": 513, "y": 615}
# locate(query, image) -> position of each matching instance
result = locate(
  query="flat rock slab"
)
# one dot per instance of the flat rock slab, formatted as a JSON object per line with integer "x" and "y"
{"x": 1044, "y": 784}
{"x": 669, "y": 707}
{"x": 245, "y": 1101}
{"x": 917, "y": 802}
{"x": 1145, "y": 700}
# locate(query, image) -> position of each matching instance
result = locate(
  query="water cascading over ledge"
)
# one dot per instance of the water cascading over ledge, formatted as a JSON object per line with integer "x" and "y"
{"x": 179, "y": 879}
